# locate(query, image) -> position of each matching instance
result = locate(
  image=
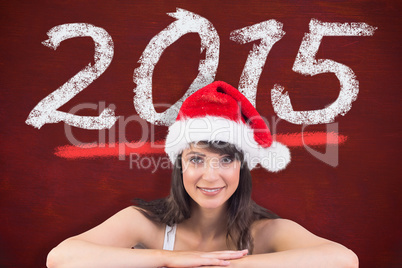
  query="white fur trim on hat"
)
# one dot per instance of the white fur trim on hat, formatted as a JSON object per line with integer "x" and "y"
{"x": 211, "y": 128}
{"x": 275, "y": 158}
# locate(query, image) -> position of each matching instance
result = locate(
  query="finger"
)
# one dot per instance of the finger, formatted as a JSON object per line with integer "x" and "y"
{"x": 214, "y": 262}
{"x": 227, "y": 251}
{"x": 224, "y": 256}
{"x": 208, "y": 266}
{"x": 244, "y": 251}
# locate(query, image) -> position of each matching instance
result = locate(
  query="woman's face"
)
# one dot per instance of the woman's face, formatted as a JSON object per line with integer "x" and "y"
{"x": 209, "y": 178}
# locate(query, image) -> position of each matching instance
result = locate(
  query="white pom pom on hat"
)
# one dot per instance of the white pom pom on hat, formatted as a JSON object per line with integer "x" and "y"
{"x": 219, "y": 112}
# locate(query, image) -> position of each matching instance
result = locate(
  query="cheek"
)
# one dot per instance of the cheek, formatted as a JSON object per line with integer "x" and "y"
{"x": 190, "y": 176}
{"x": 235, "y": 182}
{"x": 233, "y": 177}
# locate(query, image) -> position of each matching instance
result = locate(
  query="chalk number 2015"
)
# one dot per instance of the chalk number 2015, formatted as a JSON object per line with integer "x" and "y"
{"x": 267, "y": 32}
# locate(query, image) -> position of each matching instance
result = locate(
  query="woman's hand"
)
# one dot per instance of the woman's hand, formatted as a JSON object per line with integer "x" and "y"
{"x": 198, "y": 259}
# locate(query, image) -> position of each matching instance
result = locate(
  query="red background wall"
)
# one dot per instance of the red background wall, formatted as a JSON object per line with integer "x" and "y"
{"x": 45, "y": 198}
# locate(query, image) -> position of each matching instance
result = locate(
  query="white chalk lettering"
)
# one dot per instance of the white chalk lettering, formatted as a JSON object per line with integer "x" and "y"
{"x": 45, "y": 111}
{"x": 307, "y": 64}
{"x": 187, "y": 22}
{"x": 269, "y": 32}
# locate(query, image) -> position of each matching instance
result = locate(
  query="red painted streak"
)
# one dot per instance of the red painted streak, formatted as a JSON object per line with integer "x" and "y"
{"x": 157, "y": 147}
{"x": 109, "y": 150}
{"x": 310, "y": 139}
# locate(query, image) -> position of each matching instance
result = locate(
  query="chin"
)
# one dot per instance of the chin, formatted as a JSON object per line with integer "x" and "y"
{"x": 211, "y": 205}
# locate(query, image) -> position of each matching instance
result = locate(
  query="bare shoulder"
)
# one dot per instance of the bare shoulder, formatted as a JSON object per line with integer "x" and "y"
{"x": 126, "y": 228}
{"x": 135, "y": 219}
{"x": 275, "y": 225}
{"x": 263, "y": 232}
{"x": 271, "y": 226}
{"x": 272, "y": 235}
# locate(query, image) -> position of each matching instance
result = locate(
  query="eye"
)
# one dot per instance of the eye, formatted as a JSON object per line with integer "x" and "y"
{"x": 226, "y": 160}
{"x": 196, "y": 160}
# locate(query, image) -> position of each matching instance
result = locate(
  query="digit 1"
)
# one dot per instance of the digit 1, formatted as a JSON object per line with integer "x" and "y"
{"x": 269, "y": 32}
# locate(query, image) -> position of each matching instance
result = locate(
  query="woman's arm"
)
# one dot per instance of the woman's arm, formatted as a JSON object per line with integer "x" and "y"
{"x": 110, "y": 245}
{"x": 105, "y": 245}
{"x": 79, "y": 253}
{"x": 291, "y": 245}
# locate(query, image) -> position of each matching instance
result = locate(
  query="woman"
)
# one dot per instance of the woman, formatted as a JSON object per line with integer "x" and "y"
{"x": 209, "y": 218}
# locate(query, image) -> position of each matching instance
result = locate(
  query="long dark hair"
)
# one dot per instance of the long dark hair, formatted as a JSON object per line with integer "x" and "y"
{"x": 242, "y": 210}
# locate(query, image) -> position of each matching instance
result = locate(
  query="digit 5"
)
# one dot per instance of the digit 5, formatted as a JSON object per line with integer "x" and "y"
{"x": 306, "y": 64}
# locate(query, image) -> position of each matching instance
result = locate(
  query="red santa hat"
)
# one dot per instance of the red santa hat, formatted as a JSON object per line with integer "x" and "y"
{"x": 219, "y": 112}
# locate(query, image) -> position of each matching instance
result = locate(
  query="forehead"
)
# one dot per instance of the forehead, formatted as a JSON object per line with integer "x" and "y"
{"x": 201, "y": 149}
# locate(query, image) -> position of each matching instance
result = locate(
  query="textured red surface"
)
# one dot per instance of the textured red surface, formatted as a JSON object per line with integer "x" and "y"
{"x": 45, "y": 198}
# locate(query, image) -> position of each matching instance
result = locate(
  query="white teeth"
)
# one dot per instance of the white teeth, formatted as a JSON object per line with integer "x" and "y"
{"x": 210, "y": 190}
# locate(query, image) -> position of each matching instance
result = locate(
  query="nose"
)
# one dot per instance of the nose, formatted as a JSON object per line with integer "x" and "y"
{"x": 211, "y": 171}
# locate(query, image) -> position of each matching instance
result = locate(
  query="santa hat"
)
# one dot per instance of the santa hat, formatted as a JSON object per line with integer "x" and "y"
{"x": 219, "y": 112}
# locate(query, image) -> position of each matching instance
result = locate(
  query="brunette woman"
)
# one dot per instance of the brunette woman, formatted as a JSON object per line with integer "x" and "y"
{"x": 209, "y": 218}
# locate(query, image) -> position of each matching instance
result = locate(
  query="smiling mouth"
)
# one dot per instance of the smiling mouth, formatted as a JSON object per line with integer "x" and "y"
{"x": 210, "y": 190}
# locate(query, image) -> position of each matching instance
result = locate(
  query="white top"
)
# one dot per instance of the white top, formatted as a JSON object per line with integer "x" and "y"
{"x": 170, "y": 236}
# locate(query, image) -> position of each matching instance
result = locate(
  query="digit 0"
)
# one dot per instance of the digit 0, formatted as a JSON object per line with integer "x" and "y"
{"x": 187, "y": 22}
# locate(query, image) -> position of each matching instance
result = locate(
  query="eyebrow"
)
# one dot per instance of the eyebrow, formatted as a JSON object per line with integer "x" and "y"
{"x": 203, "y": 155}
{"x": 196, "y": 153}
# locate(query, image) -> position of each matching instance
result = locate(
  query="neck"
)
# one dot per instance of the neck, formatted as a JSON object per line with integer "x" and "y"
{"x": 208, "y": 223}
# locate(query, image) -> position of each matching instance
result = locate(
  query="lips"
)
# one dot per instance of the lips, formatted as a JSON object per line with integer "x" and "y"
{"x": 210, "y": 191}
